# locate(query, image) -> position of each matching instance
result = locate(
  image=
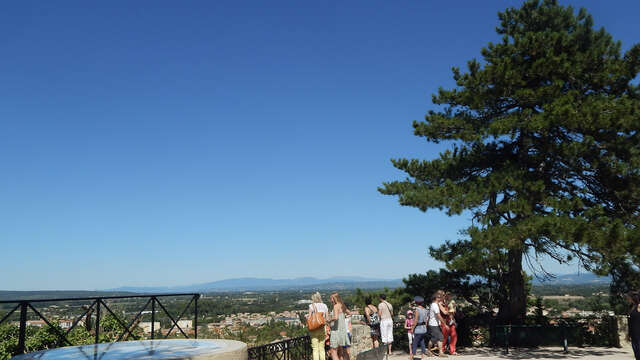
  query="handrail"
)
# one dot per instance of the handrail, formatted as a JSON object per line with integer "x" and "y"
{"x": 507, "y": 333}
{"x": 97, "y": 302}
{"x": 298, "y": 348}
{"x": 95, "y": 297}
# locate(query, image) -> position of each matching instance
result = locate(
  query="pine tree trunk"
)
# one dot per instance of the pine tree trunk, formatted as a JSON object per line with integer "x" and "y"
{"x": 518, "y": 298}
{"x": 514, "y": 309}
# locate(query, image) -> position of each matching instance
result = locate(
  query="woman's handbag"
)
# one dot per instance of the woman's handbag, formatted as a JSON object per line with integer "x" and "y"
{"x": 315, "y": 320}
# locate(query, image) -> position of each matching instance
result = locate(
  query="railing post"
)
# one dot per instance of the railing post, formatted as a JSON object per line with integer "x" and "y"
{"x": 195, "y": 322}
{"x": 23, "y": 327}
{"x": 564, "y": 336}
{"x": 153, "y": 316}
{"x": 97, "y": 339}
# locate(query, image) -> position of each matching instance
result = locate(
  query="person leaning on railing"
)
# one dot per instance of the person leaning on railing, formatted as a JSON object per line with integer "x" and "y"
{"x": 318, "y": 335}
{"x": 338, "y": 338}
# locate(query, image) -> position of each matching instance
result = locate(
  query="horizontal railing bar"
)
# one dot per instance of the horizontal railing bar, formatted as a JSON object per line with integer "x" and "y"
{"x": 96, "y": 297}
{"x": 536, "y": 326}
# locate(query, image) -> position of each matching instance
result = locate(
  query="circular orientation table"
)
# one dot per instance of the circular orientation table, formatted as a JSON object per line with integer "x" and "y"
{"x": 147, "y": 349}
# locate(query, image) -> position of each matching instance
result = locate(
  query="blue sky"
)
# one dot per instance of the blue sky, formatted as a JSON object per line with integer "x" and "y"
{"x": 169, "y": 143}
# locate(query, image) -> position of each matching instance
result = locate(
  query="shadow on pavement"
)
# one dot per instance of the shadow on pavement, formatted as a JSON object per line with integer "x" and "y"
{"x": 547, "y": 353}
{"x": 587, "y": 353}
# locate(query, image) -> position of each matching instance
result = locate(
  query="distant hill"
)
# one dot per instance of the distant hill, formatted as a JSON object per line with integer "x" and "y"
{"x": 265, "y": 284}
{"x": 575, "y": 279}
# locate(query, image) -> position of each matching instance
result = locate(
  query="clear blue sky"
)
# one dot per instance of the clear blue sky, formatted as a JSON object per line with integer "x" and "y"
{"x": 169, "y": 143}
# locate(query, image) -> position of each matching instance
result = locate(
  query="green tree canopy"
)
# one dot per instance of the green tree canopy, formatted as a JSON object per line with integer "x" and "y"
{"x": 544, "y": 152}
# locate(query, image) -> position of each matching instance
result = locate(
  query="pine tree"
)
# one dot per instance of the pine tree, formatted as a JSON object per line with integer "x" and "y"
{"x": 545, "y": 152}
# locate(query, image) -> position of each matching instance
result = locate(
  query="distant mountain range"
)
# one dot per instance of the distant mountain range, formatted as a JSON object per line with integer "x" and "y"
{"x": 265, "y": 284}
{"x": 574, "y": 279}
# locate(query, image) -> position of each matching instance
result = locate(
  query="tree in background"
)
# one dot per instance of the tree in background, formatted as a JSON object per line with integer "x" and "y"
{"x": 111, "y": 329}
{"x": 426, "y": 285}
{"x": 544, "y": 153}
{"x": 625, "y": 277}
{"x": 398, "y": 298}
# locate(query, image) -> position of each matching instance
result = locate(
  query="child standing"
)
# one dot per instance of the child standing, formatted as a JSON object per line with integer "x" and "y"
{"x": 408, "y": 325}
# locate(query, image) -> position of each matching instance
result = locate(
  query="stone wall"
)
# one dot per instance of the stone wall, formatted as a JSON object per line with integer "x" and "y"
{"x": 623, "y": 329}
{"x": 360, "y": 339}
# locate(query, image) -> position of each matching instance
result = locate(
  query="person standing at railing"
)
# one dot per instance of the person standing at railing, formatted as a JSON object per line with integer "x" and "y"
{"x": 444, "y": 324}
{"x": 386, "y": 322}
{"x": 347, "y": 320}
{"x": 373, "y": 320}
{"x": 453, "y": 334}
{"x": 339, "y": 338}
{"x": 318, "y": 335}
{"x": 419, "y": 328}
{"x": 634, "y": 323}
{"x": 408, "y": 325}
{"x": 435, "y": 321}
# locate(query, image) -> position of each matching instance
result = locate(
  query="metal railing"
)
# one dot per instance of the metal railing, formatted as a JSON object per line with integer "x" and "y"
{"x": 97, "y": 304}
{"x": 291, "y": 349}
{"x": 559, "y": 332}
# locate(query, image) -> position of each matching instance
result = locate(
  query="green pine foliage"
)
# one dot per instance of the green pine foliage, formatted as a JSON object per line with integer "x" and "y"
{"x": 544, "y": 152}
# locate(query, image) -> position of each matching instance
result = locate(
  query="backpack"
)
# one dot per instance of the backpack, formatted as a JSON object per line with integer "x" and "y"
{"x": 374, "y": 319}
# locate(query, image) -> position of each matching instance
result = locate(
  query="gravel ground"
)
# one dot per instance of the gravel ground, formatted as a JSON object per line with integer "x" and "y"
{"x": 586, "y": 353}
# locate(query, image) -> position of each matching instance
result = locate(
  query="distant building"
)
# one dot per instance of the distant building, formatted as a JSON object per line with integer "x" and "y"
{"x": 571, "y": 313}
{"x": 146, "y": 326}
{"x": 185, "y": 324}
{"x": 258, "y": 322}
{"x": 65, "y": 324}
{"x": 289, "y": 320}
{"x": 565, "y": 297}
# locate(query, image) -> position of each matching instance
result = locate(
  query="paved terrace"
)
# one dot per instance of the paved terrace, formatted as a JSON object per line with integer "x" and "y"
{"x": 586, "y": 353}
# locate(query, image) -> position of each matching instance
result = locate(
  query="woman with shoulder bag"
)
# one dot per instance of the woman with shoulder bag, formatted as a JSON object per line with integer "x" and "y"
{"x": 373, "y": 320}
{"x": 318, "y": 334}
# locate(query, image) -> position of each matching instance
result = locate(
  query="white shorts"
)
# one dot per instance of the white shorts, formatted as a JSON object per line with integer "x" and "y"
{"x": 386, "y": 331}
{"x": 410, "y": 335}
